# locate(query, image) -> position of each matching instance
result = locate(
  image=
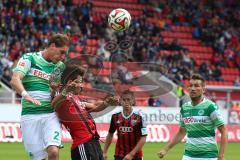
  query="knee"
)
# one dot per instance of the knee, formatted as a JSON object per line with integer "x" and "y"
{"x": 53, "y": 152}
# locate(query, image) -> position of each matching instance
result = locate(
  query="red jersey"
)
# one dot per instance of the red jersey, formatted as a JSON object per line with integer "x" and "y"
{"x": 73, "y": 114}
{"x": 129, "y": 131}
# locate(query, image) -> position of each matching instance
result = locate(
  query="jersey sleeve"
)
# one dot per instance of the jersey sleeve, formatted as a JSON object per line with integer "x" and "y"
{"x": 112, "y": 128}
{"x": 143, "y": 126}
{"x": 181, "y": 122}
{"x": 215, "y": 115}
{"x": 24, "y": 64}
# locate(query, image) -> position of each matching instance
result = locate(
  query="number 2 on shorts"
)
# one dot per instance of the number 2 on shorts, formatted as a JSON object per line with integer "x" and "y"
{"x": 56, "y": 136}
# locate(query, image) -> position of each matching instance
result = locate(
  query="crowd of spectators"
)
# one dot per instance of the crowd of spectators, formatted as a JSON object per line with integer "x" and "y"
{"x": 215, "y": 22}
{"x": 25, "y": 26}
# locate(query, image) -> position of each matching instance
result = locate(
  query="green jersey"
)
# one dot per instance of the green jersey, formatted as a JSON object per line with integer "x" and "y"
{"x": 37, "y": 72}
{"x": 200, "y": 122}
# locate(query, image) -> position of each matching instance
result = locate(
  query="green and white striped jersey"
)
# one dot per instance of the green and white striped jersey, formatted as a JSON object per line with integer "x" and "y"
{"x": 37, "y": 72}
{"x": 200, "y": 122}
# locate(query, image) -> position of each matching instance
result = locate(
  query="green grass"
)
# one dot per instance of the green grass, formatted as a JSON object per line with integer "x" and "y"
{"x": 15, "y": 151}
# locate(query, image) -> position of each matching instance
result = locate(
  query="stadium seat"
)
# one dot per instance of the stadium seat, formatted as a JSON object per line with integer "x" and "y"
{"x": 92, "y": 42}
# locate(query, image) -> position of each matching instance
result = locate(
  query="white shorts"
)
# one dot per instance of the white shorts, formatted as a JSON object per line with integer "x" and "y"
{"x": 190, "y": 158}
{"x": 39, "y": 132}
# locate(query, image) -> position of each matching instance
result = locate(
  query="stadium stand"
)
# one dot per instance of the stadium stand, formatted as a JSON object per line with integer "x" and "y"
{"x": 178, "y": 34}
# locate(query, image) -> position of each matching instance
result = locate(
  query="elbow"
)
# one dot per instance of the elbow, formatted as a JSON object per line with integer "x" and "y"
{"x": 12, "y": 83}
{"x": 53, "y": 104}
{"x": 144, "y": 139}
{"x": 226, "y": 132}
{"x": 223, "y": 131}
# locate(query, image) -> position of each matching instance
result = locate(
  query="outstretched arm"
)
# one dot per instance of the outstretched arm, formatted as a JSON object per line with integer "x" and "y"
{"x": 177, "y": 138}
{"x": 101, "y": 105}
{"x": 222, "y": 129}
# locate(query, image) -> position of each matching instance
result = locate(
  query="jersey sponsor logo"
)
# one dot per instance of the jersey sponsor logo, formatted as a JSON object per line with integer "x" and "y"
{"x": 201, "y": 112}
{"x": 189, "y": 120}
{"x": 40, "y": 74}
{"x": 125, "y": 129}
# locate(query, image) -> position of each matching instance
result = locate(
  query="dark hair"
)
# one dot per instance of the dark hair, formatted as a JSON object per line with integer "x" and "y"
{"x": 198, "y": 77}
{"x": 71, "y": 72}
{"x": 59, "y": 40}
{"x": 128, "y": 92}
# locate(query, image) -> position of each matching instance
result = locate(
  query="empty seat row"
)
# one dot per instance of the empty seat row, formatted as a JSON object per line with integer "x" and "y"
{"x": 229, "y": 77}
{"x": 233, "y": 71}
{"x": 92, "y": 42}
{"x": 199, "y": 49}
{"x": 125, "y": 1}
{"x": 182, "y": 29}
{"x": 104, "y": 10}
{"x": 118, "y": 5}
{"x": 200, "y": 56}
{"x": 190, "y": 42}
{"x": 176, "y": 35}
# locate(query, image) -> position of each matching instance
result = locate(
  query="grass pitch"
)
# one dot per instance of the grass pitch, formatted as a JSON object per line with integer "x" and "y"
{"x": 15, "y": 151}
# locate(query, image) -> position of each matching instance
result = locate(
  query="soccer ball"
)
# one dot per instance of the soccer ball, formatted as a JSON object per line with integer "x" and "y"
{"x": 119, "y": 19}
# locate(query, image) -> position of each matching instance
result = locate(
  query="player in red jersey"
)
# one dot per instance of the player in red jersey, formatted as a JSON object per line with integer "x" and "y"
{"x": 131, "y": 131}
{"x": 75, "y": 116}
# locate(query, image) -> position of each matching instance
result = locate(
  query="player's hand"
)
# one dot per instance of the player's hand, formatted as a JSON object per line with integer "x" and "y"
{"x": 105, "y": 156}
{"x": 128, "y": 157}
{"x": 112, "y": 100}
{"x": 220, "y": 158}
{"x": 74, "y": 86}
{"x": 55, "y": 87}
{"x": 162, "y": 153}
{"x": 32, "y": 100}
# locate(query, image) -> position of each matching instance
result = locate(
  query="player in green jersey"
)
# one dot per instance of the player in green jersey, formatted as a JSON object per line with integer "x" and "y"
{"x": 199, "y": 119}
{"x": 40, "y": 126}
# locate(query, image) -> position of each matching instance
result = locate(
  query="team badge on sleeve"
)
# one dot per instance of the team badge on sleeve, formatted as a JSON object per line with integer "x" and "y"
{"x": 144, "y": 131}
{"x": 22, "y": 64}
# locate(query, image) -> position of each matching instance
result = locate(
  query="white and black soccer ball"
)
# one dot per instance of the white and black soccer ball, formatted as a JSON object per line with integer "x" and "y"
{"x": 119, "y": 19}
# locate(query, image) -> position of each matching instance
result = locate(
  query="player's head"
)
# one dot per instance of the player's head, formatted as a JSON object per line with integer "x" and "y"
{"x": 73, "y": 73}
{"x": 127, "y": 99}
{"x": 57, "y": 48}
{"x": 196, "y": 86}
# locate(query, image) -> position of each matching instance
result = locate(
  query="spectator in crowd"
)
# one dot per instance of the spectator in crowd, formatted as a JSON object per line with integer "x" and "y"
{"x": 237, "y": 82}
{"x": 151, "y": 101}
{"x": 236, "y": 107}
{"x": 158, "y": 102}
{"x": 234, "y": 117}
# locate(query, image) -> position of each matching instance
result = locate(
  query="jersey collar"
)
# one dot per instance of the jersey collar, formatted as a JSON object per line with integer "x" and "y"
{"x": 126, "y": 117}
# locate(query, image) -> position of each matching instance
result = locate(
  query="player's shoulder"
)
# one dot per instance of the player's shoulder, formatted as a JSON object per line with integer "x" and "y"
{"x": 138, "y": 112}
{"x": 186, "y": 105}
{"x": 116, "y": 114}
{"x": 210, "y": 105}
{"x": 60, "y": 64}
{"x": 30, "y": 55}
